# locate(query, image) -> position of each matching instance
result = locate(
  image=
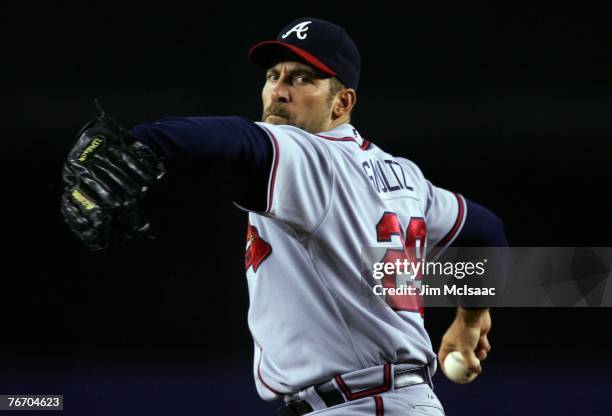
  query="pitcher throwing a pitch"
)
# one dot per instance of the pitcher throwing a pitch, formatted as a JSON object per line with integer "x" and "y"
{"x": 317, "y": 192}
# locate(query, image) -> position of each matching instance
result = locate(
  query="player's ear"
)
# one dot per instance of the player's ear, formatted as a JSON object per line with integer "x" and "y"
{"x": 344, "y": 102}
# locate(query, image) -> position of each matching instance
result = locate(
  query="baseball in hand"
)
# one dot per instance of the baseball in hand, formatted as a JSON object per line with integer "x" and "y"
{"x": 455, "y": 369}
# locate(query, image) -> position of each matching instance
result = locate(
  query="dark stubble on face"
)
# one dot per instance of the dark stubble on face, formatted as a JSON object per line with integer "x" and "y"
{"x": 276, "y": 109}
{"x": 313, "y": 123}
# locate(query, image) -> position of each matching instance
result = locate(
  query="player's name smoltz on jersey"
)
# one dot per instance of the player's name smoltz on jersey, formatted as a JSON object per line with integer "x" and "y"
{"x": 386, "y": 175}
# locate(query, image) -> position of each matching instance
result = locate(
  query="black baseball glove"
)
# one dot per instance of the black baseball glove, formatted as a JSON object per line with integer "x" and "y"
{"x": 106, "y": 175}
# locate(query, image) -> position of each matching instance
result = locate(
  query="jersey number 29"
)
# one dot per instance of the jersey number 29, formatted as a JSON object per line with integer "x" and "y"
{"x": 413, "y": 250}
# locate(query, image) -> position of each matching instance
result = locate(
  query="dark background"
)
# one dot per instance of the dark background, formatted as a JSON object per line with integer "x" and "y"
{"x": 510, "y": 107}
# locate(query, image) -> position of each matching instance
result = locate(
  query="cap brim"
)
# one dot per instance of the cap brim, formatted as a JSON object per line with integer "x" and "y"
{"x": 264, "y": 53}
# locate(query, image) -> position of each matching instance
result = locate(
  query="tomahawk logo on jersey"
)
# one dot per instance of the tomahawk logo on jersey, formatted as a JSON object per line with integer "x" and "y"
{"x": 306, "y": 300}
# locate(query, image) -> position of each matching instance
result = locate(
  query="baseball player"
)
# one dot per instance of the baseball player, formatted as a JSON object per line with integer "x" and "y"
{"x": 317, "y": 193}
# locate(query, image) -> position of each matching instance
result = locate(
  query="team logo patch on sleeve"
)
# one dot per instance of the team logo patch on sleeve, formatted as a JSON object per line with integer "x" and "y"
{"x": 257, "y": 249}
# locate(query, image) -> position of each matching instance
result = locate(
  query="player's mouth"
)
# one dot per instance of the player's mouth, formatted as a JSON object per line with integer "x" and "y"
{"x": 274, "y": 118}
{"x": 277, "y": 114}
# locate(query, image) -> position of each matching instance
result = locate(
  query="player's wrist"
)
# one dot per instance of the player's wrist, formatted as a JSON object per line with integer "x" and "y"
{"x": 471, "y": 315}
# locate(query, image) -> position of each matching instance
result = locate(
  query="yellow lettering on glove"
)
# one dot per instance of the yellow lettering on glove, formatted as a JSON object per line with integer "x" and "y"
{"x": 82, "y": 200}
{"x": 95, "y": 143}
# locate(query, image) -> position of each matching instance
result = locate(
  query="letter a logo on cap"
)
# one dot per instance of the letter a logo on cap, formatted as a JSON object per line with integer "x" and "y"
{"x": 299, "y": 30}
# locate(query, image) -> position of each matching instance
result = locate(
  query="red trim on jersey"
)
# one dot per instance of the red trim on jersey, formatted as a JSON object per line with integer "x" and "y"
{"x": 369, "y": 392}
{"x": 380, "y": 408}
{"x": 273, "y": 177}
{"x": 364, "y": 146}
{"x": 337, "y": 139}
{"x": 259, "y": 376}
{"x": 453, "y": 231}
{"x": 408, "y": 310}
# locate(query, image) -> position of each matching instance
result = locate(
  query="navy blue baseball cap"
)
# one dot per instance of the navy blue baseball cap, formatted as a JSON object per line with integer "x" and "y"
{"x": 322, "y": 44}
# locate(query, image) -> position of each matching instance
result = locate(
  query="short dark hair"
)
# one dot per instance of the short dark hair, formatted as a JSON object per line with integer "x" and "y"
{"x": 335, "y": 86}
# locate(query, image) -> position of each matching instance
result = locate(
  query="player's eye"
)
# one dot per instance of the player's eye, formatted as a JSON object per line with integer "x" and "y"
{"x": 302, "y": 79}
{"x": 272, "y": 77}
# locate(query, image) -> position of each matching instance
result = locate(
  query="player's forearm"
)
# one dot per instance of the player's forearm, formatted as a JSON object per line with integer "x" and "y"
{"x": 234, "y": 150}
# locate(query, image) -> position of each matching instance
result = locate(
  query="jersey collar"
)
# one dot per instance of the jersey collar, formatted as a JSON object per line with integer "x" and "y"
{"x": 345, "y": 132}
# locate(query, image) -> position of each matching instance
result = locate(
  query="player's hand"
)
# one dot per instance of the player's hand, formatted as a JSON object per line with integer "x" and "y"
{"x": 468, "y": 335}
{"x": 106, "y": 175}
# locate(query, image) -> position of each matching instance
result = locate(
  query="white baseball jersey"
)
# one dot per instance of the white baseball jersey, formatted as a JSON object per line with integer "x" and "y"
{"x": 329, "y": 196}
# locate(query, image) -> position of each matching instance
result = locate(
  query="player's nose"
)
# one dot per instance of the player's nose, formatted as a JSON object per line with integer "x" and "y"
{"x": 280, "y": 92}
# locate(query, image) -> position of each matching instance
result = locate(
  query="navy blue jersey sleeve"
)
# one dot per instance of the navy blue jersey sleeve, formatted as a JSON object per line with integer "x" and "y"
{"x": 482, "y": 228}
{"x": 235, "y": 150}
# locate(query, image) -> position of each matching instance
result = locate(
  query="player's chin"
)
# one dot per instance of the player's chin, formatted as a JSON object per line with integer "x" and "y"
{"x": 277, "y": 120}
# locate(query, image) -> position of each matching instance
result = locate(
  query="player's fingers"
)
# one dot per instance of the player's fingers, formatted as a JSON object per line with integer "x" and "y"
{"x": 472, "y": 362}
{"x": 481, "y": 354}
{"x": 445, "y": 349}
{"x": 442, "y": 356}
{"x": 483, "y": 343}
